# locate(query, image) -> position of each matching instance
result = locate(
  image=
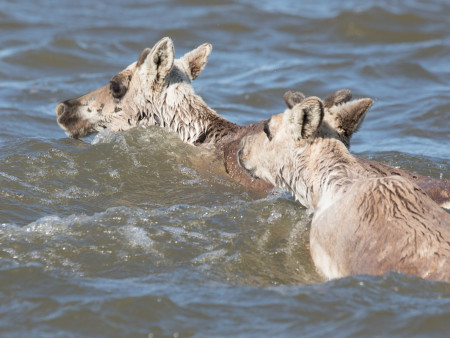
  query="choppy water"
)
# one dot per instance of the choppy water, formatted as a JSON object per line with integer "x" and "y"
{"x": 138, "y": 234}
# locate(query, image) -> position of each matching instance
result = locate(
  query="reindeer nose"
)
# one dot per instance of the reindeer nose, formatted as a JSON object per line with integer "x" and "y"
{"x": 60, "y": 109}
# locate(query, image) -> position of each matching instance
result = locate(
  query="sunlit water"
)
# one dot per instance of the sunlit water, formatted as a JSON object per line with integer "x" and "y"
{"x": 138, "y": 234}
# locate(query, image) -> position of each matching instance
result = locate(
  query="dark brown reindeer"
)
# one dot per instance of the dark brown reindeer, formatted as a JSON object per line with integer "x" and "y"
{"x": 157, "y": 90}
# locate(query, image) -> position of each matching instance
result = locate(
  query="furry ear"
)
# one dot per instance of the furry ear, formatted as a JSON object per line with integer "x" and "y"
{"x": 306, "y": 118}
{"x": 350, "y": 115}
{"x": 338, "y": 97}
{"x": 158, "y": 61}
{"x": 292, "y": 98}
{"x": 196, "y": 59}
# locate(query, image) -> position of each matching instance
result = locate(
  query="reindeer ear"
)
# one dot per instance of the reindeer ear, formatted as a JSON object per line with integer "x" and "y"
{"x": 306, "y": 118}
{"x": 351, "y": 115}
{"x": 292, "y": 98}
{"x": 196, "y": 59}
{"x": 158, "y": 61}
{"x": 338, "y": 97}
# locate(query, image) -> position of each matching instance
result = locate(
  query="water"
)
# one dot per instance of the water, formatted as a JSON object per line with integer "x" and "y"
{"x": 138, "y": 234}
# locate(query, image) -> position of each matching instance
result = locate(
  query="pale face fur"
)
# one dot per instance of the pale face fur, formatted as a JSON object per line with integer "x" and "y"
{"x": 270, "y": 154}
{"x": 362, "y": 223}
{"x": 337, "y": 118}
{"x": 147, "y": 92}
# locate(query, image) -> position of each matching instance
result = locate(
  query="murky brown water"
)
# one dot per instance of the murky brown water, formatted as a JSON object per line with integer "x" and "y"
{"x": 138, "y": 234}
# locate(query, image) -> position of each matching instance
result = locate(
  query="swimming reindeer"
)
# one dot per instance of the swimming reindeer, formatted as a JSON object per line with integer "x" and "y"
{"x": 362, "y": 223}
{"x": 157, "y": 90}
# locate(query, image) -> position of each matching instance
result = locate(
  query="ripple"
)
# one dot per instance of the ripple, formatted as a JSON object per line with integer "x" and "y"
{"x": 138, "y": 234}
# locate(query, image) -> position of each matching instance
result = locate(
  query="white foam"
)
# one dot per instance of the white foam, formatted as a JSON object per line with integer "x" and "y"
{"x": 105, "y": 136}
{"x": 137, "y": 237}
{"x": 9, "y": 177}
{"x": 181, "y": 233}
{"x": 114, "y": 173}
{"x": 189, "y": 172}
{"x": 48, "y": 225}
{"x": 74, "y": 192}
{"x": 210, "y": 256}
{"x": 274, "y": 216}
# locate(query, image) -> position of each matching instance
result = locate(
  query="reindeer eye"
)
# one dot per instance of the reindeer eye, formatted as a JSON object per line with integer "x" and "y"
{"x": 267, "y": 130}
{"x": 117, "y": 89}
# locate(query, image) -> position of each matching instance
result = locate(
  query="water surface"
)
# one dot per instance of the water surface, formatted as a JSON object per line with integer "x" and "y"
{"x": 138, "y": 234}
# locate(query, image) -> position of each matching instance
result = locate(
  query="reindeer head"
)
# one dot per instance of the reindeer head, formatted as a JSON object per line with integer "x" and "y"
{"x": 266, "y": 154}
{"x": 285, "y": 136}
{"x": 139, "y": 92}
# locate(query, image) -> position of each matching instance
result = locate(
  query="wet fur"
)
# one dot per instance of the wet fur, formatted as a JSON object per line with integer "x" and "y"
{"x": 362, "y": 223}
{"x": 157, "y": 90}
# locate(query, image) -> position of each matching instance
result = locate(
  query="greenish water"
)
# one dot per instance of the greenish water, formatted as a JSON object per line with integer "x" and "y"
{"x": 138, "y": 234}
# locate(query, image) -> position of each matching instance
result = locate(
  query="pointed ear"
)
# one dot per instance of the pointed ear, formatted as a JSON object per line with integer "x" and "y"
{"x": 306, "y": 118}
{"x": 338, "y": 97}
{"x": 350, "y": 116}
{"x": 292, "y": 98}
{"x": 158, "y": 61}
{"x": 196, "y": 59}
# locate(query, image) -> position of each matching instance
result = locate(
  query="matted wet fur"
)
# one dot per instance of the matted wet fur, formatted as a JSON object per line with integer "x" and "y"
{"x": 362, "y": 223}
{"x": 157, "y": 90}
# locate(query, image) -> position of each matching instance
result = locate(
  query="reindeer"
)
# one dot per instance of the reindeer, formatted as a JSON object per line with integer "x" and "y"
{"x": 157, "y": 90}
{"x": 362, "y": 223}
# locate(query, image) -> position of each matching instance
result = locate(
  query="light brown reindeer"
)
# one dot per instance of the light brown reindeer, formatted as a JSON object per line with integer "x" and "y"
{"x": 157, "y": 90}
{"x": 362, "y": 223}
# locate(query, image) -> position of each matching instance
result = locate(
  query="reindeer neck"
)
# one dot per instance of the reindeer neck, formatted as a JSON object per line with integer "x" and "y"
{"x": 185, "y": 113}
{"x": 325, "y": 169}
